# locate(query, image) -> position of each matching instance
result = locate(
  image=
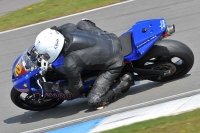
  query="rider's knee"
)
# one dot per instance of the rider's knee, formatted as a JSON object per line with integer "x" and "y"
{"x": 94, "y": 100}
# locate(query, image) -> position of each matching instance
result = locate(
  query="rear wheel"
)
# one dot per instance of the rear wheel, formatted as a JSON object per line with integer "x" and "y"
{"x": 32, "y": 102}
{"x": 173, "y": 56}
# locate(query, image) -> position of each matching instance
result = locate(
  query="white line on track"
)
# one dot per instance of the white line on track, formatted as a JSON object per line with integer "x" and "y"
{"x": 185, "y": 94}
{"x": 68, "y": 16}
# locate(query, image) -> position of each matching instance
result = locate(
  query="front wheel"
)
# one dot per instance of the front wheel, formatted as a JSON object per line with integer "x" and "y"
{"x": 173, "y": 56}
{"x": 29, "y": 102}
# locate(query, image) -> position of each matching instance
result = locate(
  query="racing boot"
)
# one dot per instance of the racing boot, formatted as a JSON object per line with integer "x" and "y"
{"x": 123, "y": 84}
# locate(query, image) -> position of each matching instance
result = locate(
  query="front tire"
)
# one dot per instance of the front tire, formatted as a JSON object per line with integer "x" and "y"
{"x": 169, "y": 55}
{"x": 23, "y": 103}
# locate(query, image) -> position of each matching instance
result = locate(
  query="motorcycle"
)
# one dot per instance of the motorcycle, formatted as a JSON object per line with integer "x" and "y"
{"x": 147, "y": 54}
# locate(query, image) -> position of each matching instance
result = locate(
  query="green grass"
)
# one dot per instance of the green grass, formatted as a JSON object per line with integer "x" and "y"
{"x": 48, "y": 9}
{"x": 183, "y": 123}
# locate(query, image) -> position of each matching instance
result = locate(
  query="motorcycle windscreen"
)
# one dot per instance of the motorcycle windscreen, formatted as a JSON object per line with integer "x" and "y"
{"x": 23, "y": 70}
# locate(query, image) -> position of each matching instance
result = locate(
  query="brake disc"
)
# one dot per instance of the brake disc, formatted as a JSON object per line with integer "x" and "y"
{"x": 169, "y": 67}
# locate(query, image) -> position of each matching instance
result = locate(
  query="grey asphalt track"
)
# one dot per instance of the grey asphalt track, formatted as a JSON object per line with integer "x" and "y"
{"x": 183, "y": 13}
{"x": 7, "y": 6}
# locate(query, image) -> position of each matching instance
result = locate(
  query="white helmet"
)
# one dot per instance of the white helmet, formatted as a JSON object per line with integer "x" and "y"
{"x": 49, "y": 44}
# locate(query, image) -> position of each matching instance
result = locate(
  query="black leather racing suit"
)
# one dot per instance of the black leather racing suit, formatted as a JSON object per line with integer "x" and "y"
{"x": 88, "y": 47}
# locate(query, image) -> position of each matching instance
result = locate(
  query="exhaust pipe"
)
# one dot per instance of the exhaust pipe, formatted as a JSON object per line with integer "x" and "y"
{"x": 170, "y": 29}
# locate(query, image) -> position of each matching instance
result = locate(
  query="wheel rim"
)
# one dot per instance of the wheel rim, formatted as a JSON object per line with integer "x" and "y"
{"x": 168, "y": 67}
{"x": 172, "y": 64}
{"x": 28, "y": 101}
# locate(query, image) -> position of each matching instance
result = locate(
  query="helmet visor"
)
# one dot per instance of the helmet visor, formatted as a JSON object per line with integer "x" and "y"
{"x": 31, "y": 52}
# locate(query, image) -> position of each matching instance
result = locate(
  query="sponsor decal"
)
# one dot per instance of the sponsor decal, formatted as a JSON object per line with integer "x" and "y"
{"x": 162, "y": 24}
{"x": 61, "y": 95}
{"x": 19, "y": 70}
{"x": 146, "y": 42}
{"x": 25, "y": 85}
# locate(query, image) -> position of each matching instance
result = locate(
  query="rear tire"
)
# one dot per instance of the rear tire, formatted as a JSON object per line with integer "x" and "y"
{"x": 163, "y": 56}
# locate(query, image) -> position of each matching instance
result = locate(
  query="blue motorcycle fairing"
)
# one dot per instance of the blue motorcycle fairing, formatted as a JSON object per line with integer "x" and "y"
{"x": 26, "y": 82}
{"x": 22, "y": 80}
{"x": 144, "y": 34}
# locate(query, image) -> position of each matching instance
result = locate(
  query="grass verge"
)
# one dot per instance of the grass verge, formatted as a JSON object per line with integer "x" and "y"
{"x": 183, "y": 123}
{"x": 48, "y": 9}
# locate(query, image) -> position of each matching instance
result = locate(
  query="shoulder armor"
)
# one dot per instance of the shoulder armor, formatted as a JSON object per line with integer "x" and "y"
{"x": 79, "y": 41}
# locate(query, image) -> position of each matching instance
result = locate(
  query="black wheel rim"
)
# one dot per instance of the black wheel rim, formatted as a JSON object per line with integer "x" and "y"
{"x": 38, "y": 104}
{"x": 173, "y": 64}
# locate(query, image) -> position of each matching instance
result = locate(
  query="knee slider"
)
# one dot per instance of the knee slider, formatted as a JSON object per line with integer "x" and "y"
{"x": 94, "y": 100}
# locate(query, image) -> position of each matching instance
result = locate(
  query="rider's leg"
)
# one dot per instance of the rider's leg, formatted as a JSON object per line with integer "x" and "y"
{"x": 101, "y": 87}
{"x": 122, "y": 84}
{"x": 101, "y": 93}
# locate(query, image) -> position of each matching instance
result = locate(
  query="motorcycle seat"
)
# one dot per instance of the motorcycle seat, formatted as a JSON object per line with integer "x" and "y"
{"x": 126, "y": 43}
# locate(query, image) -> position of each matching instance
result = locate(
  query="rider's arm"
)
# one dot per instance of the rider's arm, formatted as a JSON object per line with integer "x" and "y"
{"x": 73, "y": 73}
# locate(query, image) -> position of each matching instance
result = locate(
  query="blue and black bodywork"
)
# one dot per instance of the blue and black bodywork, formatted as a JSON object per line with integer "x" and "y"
{"x": 136, "y": 42}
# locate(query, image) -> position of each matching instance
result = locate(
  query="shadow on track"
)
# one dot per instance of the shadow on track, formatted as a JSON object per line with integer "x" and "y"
{"x": 147, "y": 86}
{"x": 69, "y": 108}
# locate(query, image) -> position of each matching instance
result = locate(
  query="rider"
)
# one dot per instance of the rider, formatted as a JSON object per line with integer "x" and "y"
{"x": 85, "y": 46}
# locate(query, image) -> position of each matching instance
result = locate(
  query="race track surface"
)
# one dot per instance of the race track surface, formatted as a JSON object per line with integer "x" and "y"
{"x": 7, "y": 6}
{"x": 117, "y": 19}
